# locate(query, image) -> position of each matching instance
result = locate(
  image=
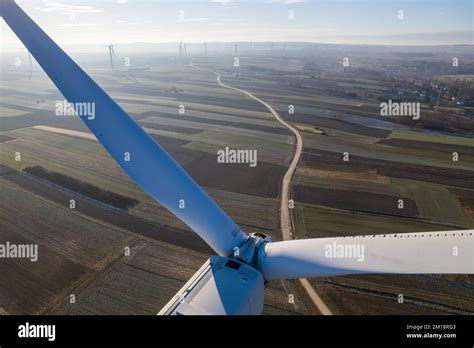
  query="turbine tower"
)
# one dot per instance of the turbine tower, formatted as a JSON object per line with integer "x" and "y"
{"x": 112, "y": 55}
{"x": 234, "y": 280}
{"x": 180, "y": 49}
{"x": 439, "y": 95}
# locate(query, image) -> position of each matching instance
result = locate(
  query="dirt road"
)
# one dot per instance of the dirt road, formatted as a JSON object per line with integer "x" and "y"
{"x": 285, "y": 215}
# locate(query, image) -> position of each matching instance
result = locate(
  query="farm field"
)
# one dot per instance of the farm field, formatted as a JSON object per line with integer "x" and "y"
{"x": 98, "y": 168}
{"x": 91, "y": 264}
{"x": 358, "y": 197}
{"x": 82, "y": 249}
{"x": 63, "y": 163}
{"x": 432, "y": 138}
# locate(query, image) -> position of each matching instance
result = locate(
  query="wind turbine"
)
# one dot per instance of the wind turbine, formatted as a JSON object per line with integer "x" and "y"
{"x": 235, "y": 49}
{"x": 111, "y": 54}
{"x": 234, "y": 281}
{"x": 205, "y": 48}
{"x": 180, "y": 49}
{"x": 30, "y": 73}
{"x": 439, "y": 95}
{"x": 185, "y": 50}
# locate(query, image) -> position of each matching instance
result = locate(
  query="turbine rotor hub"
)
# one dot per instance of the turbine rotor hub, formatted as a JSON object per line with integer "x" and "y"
{"x": 247, "y": 251}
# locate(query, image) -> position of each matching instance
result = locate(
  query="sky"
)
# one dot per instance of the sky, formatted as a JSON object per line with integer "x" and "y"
{"x": 389, "y": 22}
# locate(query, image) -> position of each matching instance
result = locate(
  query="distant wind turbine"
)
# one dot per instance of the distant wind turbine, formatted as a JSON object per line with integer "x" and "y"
{"x": 439, "y": 95}
{"x": 180, "y": 49}
{"x": 235, "y": 49}
{"x": 31, "y": 66}
{"x": 205, "y": 48}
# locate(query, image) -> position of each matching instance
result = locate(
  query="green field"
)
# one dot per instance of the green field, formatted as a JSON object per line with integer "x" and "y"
{"x": 434, "y": 202}
{"x": 432, "y": 138}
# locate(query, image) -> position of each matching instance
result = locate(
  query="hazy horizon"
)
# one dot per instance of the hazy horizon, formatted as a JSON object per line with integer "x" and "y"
{"x": 364, "y": 22}
{"x": 247, "y": 47}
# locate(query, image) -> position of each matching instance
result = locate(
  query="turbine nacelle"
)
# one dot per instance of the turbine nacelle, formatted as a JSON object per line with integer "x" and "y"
{"x": 235, "y": 287}
{"x": 234, "y": 282}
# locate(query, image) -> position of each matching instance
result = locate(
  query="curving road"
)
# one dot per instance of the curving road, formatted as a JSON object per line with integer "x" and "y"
{"x": 285, "y": 215}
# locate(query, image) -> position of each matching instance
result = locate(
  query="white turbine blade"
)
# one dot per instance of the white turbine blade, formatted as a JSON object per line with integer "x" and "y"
{"x": 148, "y": 164}
{"x": 407, "y": 253}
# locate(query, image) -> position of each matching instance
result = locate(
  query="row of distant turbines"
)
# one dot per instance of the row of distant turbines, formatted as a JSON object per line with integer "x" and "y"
{"x": 182, "y": 49}
{"x": 113, "y": 55}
